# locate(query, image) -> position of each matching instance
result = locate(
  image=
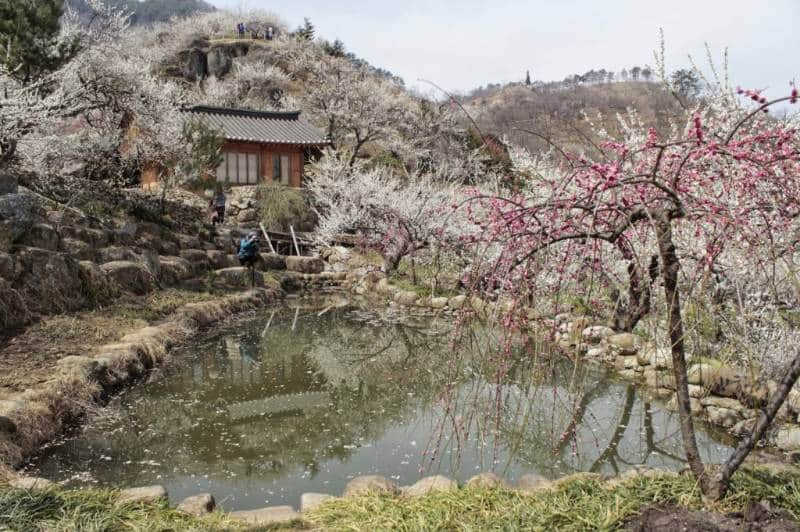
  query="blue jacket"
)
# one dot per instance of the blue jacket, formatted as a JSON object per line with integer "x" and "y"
{"x": 248, "y": 247}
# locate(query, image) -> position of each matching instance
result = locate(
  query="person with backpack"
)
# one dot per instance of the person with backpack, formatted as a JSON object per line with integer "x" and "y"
{"x": 247, "y": 252}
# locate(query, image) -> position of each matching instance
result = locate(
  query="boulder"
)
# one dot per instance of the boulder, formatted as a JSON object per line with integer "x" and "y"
{"x": 219, "y": 259}
{"x": 309, "y": 501}
{"x": 144, "y": 494}
{"x": 593, "y": 334}
{"x": 96, "y": 238}
{"x": 696, "y": 391}
{"x": 18, "y": 213}
{"x": 272, "y": 515}
{"x": 48, "y": 281}
{"x": 197, "y": 505}
{"x": 9, "y": 184}
{"x": 7, "y": 425}
{"x": 219, "y": 61}
{"x": 383, "y": 286}
{"x": 273, "y": 261}
{"x": 788, "y": 438}
{"x": 597, "y": 352}
{"x": 195, "y": 65}
{"x": 77, "y": 248}
{"x": 188, "y": 241}
{"x": 626, "y": 362}
{"x": 532, "y": 482}
{"x": 659, "y": 379}
{"x": 116, "y": 253}
{"x": 168, "y": 248}
{"x": 624, "y": 343}
{"x": 197, "y": 258}
{"x": 406, "y": 298}
{"x": 130, "y": 276}
{"x": 97, "y": 286}
{"x": 430, "y": 484}
{"x": 486, "y": 480}
{"x": 722, "y": 402}
{"x": 174, "y": 270}
{"x": 720, "y": 380}
{"x": 14, "y": 312}
{"x": 694, "y": 405}
{"x": 657, "y": 356}
{"x": 370, "y": 484}
{"x": 457, "y": 302}
{"x": 41, "y": 236}
{"x": 724, "y": 417}
{"x": 304, "y": 264}
{"x": 438, "y": 302}
{"x": 237, "y": 277}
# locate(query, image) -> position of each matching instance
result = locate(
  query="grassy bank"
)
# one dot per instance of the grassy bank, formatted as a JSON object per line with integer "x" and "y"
{"x": 579, "y": 503}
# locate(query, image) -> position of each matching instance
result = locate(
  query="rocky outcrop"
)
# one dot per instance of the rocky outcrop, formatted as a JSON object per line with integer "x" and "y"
{"x": 134, "y": 276}
{"x": 303, "y": 264}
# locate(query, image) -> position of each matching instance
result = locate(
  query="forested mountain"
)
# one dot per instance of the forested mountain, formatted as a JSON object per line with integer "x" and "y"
{"x": 145, "y": 12}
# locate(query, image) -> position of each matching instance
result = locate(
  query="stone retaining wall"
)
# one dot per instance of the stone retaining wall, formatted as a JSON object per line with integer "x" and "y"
{"x": 36, "y": 416}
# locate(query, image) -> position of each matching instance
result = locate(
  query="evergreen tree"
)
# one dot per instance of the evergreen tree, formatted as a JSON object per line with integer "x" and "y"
{"x": 686, "y": 83}
{"x": 335, "y": 49}
{"x": 528, "y": 77}
{"x": 29, "y": 38}
{"x": 306, "y": 31}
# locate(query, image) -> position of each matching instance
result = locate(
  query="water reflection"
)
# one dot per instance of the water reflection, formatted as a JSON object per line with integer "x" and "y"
{"x": 296, "y": 401}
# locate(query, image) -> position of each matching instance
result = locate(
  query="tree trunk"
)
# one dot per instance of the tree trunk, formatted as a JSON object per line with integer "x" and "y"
{"x": 669, "y": 274}
{"x": 638, "y": 305}
{"x": 721, "y": 480}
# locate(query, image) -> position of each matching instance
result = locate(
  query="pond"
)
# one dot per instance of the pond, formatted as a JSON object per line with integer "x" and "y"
{"x": 304, "y": 397}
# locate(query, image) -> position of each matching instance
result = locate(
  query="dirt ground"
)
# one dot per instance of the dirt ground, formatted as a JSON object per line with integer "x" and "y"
{"x": 27, "y": 358}
{"x": 757, "y": 517}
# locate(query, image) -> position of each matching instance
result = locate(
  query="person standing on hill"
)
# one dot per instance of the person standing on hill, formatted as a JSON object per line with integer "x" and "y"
{"x": 247, "y": 252}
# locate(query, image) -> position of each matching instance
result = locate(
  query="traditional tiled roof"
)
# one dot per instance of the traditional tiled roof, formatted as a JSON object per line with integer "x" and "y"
{"x": 266, "y": 127}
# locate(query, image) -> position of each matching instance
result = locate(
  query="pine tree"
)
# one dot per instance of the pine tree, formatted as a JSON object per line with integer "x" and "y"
{"x": 29, "y": 38}
{"x": 335, "y": 49}
{"x": 306, "y": 31}
{"x": 527, "y": 77}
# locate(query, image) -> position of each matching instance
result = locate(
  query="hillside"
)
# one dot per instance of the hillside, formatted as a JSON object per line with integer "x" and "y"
{"x": 147, "y": 12}
{"x": 557, "y": 111}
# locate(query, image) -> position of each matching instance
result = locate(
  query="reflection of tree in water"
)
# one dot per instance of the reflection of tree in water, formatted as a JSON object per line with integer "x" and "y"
{"x": 265, "y": 404}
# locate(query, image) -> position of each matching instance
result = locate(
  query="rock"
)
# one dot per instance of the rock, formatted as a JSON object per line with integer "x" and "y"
{"x": 405, "y": 297}
{"x": 370, "y": 484}
{"x": 17, "y": 215}
{"x": 724, "y": 417}
{"x": 130, "y": 276}
{"x": 195, "y": 65}
{"x": 719, "y": 380}
{"x": 788, "y": 438}
{"x": 694, "y": 405}
{"x": 174, "y": 270}
{"x": 532, "y": 482}
{"x": 77, "y": 248}
{"x": 487, "y": 480}
{"x": 629, "y": 374}
{"x": 744, "y": 427}
{"x": 722, "y": 402}
{"x": 267, "y": 516}
{"x": 168, "y": 248}
{"x": 384, "y": 287}
{"x": 273, "y": 261}
{"x": 624, "y": 343}
{"x": 662, "y": 393}
{"x": 595, "y": 333}
{"x": 47, "y": 281}
{"x": 188, "y": 241}
{"x": 626, "y": 362}
{"x": 41, "y": 236}
{"x": 696, "y": 391}
{"x": 96, "y": 285}
{"x": 309, "y": 501}
{"x": 478, "y": 304}
{"x": 430, "y": 484}
{"x": 793, "y": 400}
{"x": 457, "y": 302}
{"x": 237, "y": 277}
{"x": 197, "y": 505}
{"x": 143, "y": 494}
{"x": 30, "y": 483}
{"x": 304, "y": 264}
{"x": 219, "y": 61}
{"x": 438, "y": 303}
{"x": 7, "y": 425}
{"x": 116, "y": 253}
{"x": 659, "y": 379}
{"x": 96, "y": 238}
{"x": 6, "y": 266}
{"x": 197, "y": 258}
{"x": 658, "y": 357}
{"x": 597, "y": 352}
{"x": 9, "y": 184}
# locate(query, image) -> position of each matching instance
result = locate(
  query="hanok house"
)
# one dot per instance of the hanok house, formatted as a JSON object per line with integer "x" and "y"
{"x": 260, "y": 146}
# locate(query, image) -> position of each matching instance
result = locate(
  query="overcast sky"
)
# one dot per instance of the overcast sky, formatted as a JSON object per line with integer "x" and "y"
{"x": 461, "y": 45}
